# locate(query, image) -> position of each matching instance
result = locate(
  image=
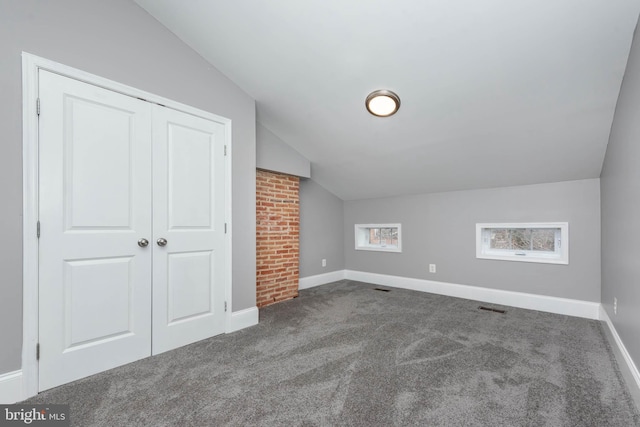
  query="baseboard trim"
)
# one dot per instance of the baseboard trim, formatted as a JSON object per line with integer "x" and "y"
{"x": 320, "y": 279}
{"x": 623, "y": 350}
{"x": 243, "y": 319}
{"x": 570, "y": 307}
{"x": 11, "y": 387}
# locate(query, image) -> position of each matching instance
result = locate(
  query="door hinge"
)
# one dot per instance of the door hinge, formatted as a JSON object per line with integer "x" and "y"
{"x": 38, "y": 351}
{"x": 225, "y": 306}
{"x": 225, "y": 228}
{"x": 38, "y": 106}
{"x": 225, "y": 150}
{"x": 38, "y": 229}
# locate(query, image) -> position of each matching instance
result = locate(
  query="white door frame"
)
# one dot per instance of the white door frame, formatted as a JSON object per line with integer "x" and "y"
{"x": 30, "y": 66}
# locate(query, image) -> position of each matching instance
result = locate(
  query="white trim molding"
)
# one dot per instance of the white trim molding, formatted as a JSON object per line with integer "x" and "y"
{"x": 320, "y": 279}
{"x": 11, "y": 387}
{"x": 30, "y": 264}
{"x": 242, "y": 319}
{"x": 623, "y": 350}
{"x": 569, "y": 307}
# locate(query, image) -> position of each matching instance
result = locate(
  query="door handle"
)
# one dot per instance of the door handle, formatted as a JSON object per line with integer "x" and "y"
{"x": 143, "y": 243}
{"x": 162, "y": 241}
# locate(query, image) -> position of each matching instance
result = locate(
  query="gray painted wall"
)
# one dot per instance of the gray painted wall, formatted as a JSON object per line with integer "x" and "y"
{"x": 620, "y": 187}
{"x": 118, "y": 40}
{"x": 440, "y": 229}
{"x": 273, "y": 154}
{"x": 321, "y": 218}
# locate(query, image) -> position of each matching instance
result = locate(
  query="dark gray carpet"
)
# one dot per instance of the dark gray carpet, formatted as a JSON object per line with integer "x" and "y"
{"x": 345, "y": 354}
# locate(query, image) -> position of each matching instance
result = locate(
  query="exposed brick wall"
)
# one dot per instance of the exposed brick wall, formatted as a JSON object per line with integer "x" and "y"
{"x": 277, "y": 237}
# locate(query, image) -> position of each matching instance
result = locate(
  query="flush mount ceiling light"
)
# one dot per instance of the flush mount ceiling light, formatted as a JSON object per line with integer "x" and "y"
{"x": 382, "y": 103}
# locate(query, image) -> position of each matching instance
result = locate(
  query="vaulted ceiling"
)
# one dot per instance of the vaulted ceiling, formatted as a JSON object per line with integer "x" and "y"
{"x": 494, "y": 92}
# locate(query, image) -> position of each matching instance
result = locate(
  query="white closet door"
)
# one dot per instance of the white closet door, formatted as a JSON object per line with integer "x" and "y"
{"x": 188, "y": 213}
{"x": 95, "y": 203}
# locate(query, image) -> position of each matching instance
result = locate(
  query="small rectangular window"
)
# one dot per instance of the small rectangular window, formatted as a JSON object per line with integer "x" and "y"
{"x": 378, "y": 237}
{"x": 546, "y": 242}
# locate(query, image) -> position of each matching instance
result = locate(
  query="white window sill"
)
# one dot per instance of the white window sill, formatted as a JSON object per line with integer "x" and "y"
{"x": 525, "y": 258}
{"x": 379, "y": 249}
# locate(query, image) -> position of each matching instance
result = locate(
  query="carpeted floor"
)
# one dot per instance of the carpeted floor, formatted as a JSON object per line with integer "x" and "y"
{"x": 346, "y": 354}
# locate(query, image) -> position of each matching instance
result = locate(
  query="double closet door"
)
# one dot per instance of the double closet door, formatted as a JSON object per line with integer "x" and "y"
{"x": 132, "y": 245}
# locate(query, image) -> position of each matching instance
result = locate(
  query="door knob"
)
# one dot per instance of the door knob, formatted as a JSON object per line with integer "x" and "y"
{"x": 143, "y": 243}
{"x": 162, "y": 241}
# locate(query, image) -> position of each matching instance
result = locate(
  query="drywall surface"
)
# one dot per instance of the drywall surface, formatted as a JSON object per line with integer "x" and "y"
{"x": 620, "y": 188}
{"x": 117, "y": 40}
{"x": 273, "y": 154}
{"x": 321, "y": 237}
{"x": 440, "y": 229}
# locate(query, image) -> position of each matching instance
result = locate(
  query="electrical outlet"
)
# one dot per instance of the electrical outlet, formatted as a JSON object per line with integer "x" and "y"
{"x": 615, "y": 305}
{"x": 324, "y": 262}
{"x": 432, "y": 268}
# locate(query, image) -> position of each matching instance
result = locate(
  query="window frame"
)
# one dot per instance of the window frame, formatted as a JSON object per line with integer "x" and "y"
{"x": 361, "y": 239}
{"x": 560, "y": 256}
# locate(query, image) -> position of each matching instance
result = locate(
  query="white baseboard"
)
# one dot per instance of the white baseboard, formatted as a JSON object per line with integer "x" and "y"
{"x": 242, "y": 319}
{"x": 320, "y": 279}
{"x": 623, "y": 350}
{"x": 11, "y": 387}
{"x": 570, "y": 307}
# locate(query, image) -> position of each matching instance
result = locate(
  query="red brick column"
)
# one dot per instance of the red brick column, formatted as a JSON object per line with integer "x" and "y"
{"x": 277, "y": 234}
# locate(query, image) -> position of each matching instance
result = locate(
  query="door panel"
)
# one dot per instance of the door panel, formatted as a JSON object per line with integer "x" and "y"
{"x": 189, "y": 293}
{"x": 189, "y": 177}
{"x": 97, "y": 161}
{"x": 188, "y": 200}
{"x": 95, "y": 203}
{"x": 107, "y": 280}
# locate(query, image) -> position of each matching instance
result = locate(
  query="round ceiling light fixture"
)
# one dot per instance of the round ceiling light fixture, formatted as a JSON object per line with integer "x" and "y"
{"x": 382, "y": 103}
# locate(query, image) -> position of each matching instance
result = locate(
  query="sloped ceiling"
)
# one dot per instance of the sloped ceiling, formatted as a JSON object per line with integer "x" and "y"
{"x": 494, "y": 92}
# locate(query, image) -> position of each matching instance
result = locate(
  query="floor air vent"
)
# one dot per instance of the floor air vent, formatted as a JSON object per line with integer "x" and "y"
{"x": 495, "y": 310}
{"x": 381, "y": 290}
